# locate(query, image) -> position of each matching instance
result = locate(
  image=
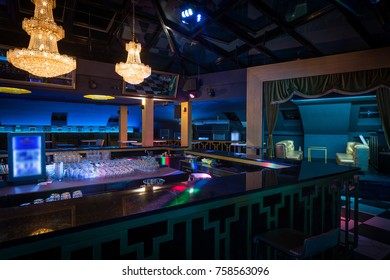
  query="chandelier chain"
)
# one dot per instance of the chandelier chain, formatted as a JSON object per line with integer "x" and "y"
{"x": 133, "y": 22}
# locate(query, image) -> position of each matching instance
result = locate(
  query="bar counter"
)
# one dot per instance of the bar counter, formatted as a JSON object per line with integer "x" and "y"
{"x": 204, "y": 219}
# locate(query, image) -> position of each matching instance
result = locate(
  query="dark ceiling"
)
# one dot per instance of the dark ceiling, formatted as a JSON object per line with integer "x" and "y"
{"x": 233, "y": 34}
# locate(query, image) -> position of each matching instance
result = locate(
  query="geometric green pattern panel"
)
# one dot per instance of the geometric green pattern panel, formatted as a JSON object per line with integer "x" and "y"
{"x": 220, "y": 229}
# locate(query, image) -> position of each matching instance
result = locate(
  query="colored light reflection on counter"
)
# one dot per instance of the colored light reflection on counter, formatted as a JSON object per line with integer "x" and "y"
{"x": 145, "y": 188}
{"x": 164, "y": 160}
{"x": 273, "y": 165}
{"x": 184, "y": 196}
{"x": 41, "y": 231}
{"x": 179, "y": 188}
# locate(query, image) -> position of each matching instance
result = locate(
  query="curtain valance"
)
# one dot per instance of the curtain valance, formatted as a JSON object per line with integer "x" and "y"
{"x": 358, "y": 82}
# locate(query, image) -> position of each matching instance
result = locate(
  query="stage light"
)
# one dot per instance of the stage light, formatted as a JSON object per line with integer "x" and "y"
{"x": 190, "y": 16}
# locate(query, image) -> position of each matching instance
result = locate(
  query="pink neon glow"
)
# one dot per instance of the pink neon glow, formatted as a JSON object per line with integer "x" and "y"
{"x": 179, "y": 188}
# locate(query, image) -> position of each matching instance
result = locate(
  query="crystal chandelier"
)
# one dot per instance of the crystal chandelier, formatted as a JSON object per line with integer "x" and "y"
{"x": 133, "y": 70}
{"x": 42, "y": 58}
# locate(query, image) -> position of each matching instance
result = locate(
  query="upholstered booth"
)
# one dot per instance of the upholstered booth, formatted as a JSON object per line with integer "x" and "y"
{"x": 356, "y": 154}
{"x": 286, "y": 149}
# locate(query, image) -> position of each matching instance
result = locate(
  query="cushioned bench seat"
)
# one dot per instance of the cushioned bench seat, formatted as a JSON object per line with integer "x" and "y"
{"x": 297, "y": 155}
{"x": 285, "y": 149}
{"x": 344, "y": 159}
{"x": 356, "y": 154}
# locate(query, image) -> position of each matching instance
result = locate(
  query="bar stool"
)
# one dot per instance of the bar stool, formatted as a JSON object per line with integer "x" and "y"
{"x": 198, "y": 176}
{"x": 296, "y": 244}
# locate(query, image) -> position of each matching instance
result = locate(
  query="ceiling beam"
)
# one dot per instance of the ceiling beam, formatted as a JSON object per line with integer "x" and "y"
{"x": 161, "y": 18}
{"x": 104, "y": 7}
{"x": 122, "y": 17}
{"x": 171, "y": 42}
{"x": 231, "y": 26}
{"x": 354, "y": 22}
{"x": 170, "y": 26}
{"x": 226, "y": 22}
{"x": 69, "y": 9}
{"x": 154, "y": 40}
{"x": 189, "y": 35}
{"x": 200, "y": 40}
{"x": 247, "y": 39}
{"x": 273, "y": 16}
{"x": 278, "y": 31}
{"x": 211, "y": 17}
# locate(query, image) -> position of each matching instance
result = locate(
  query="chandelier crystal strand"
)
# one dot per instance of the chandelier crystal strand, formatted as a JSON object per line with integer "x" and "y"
{"x": 42, "y": 58}
{"x": 133, "y": 70}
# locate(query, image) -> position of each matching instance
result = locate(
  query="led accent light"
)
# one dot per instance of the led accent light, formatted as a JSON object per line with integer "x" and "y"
{"x": 11, "y": 90}
{"x": 99, "y": 97}
{"x": 133, "y": 70}
{"x": 42, "y": 58}
{"x": 189, "y": 16}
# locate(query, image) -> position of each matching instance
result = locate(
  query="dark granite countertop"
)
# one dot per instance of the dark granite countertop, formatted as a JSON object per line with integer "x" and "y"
{"x": 243, "y": 158}
{"x": 69, "y": 184}
{"x": 35, "y": 219}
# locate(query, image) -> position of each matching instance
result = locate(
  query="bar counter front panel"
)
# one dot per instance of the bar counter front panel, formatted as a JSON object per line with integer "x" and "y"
{"x": 204, "y": 219}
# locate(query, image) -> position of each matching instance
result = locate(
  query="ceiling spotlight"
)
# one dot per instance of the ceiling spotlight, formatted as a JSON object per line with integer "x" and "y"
{"x": 190, "y": 16}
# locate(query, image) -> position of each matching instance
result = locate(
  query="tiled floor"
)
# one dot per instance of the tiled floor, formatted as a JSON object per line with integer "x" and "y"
{"x": 373, "y": 229}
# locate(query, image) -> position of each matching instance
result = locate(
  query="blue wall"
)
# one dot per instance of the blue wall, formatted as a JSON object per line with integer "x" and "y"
{"x": 30, "y": 112}
{"x": 326, "y": 125}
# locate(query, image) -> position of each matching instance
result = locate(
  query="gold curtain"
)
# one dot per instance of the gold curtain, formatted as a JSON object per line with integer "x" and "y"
{"x": 350, "y": 83}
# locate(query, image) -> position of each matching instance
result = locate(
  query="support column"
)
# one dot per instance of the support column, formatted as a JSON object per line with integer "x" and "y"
{"x": 186, "y": 125}
{"x": 254, "y": 114}
{"x": 123, "y": 115}
{"x": 147, "y": 122}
